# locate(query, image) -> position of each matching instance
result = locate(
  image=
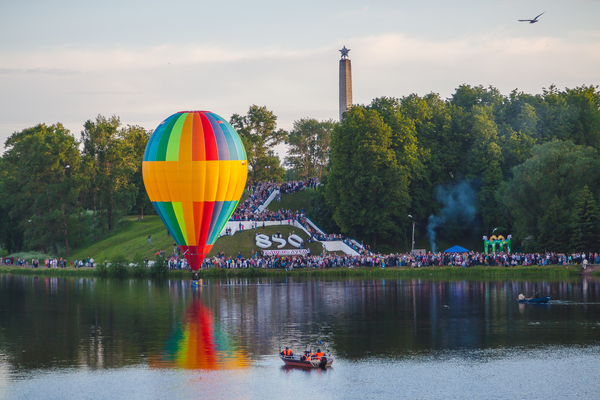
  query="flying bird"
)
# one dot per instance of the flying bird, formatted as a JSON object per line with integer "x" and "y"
{"x": 532, "y": 21}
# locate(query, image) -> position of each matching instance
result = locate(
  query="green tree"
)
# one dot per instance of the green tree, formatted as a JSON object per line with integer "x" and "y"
{"x": 366, "y": 188}
{"x": 269, "y": 169}
{"x": 259, "y": 133}
{"x": 309, "y": 146}
{"x": 113, "y": 163}
{"x": 554, "y": 228}
{"x": 44, "y": 177}
{"x": 136, "y": 138}
{"x": 440, "y": 150}
{"x": 556, "y": 169}
{"x": 484, "y": 160}
{"x": 586, "y": 223}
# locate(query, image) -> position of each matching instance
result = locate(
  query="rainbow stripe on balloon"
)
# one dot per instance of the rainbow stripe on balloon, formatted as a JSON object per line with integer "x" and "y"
{"x": 195, "y": 171}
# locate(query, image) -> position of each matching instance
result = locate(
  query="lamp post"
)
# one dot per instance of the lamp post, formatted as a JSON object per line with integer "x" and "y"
{"x": 412, "y": 250}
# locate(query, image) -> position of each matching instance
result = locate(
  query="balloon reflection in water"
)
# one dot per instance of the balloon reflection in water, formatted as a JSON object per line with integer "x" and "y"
{"x": 199, "y": 343}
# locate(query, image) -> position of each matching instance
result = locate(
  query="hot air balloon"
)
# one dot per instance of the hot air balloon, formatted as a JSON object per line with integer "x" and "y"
{"x": 195, "y": 171}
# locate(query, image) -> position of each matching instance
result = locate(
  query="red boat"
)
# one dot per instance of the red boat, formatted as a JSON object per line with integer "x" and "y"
{"x": 307, "y": 359}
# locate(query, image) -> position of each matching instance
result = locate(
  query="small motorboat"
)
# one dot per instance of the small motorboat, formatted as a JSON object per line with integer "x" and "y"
{"x": 536, "y": 300}
{"x": 308, "y": 359}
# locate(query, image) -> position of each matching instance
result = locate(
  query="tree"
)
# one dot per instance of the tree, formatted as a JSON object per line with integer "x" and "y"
{"x": 44, "y": 178}
{"x": 269, "y": 169}
{"x": 259, "y": 133}
{"x": 136, "y": 138}
{"x": 366, "y": 189}
{"x": 484, "y": 160}
{"x": 113, "y": 163}
{"x": 436, "y": 158}
{"x": 556, "y": 169}
{"x": 586, "y": 223}
{"x": 309, "y": 146}
{"x": 554, "y": 228}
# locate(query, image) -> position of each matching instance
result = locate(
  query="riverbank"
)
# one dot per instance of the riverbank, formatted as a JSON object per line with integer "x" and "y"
{"x": 554, "y": 271}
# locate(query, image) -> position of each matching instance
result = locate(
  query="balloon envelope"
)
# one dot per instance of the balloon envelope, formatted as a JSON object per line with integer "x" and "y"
{"x": 195, "y": 171}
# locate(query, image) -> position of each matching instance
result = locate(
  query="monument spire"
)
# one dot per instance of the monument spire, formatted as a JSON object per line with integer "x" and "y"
{"x": 345, "y": 82}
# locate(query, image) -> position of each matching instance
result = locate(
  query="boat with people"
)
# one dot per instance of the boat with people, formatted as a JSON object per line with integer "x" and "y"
{"x": 308, "y": 359}
{"x": 534, "y": 299}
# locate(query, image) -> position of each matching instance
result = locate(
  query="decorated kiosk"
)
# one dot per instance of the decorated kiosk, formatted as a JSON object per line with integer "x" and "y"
{"x": 497, "y": 243}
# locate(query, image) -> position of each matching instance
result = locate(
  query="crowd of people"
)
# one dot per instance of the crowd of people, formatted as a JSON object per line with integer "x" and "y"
{"x": 257, "y": 195}
{"x": 331, "y": 260}
{"x": 47, "y": 263}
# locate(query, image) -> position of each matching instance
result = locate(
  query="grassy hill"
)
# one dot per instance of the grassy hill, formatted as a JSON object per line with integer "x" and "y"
{"x": 132, "y": 241}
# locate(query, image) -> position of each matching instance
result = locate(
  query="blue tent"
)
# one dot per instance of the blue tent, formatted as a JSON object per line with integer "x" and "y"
{"x": 456, "y": 249}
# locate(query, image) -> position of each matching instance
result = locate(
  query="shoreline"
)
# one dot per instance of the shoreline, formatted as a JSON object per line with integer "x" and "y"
{"x": 550, "y": 271}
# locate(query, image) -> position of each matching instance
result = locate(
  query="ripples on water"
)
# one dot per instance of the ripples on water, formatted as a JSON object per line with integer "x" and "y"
{"x": 88, "y": 338}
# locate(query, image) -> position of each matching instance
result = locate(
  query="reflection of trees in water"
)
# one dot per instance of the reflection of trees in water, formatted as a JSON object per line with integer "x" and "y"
{"x": 396, "y": 317}
{"x": 63, "y": 322}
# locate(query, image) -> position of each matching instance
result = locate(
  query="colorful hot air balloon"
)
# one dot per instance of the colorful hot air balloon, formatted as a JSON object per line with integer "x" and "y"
{"x": 195, "y": 171}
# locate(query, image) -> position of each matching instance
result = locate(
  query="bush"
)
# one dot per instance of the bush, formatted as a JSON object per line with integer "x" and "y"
{"x": 159, "y": 268}
{"x": 118, "y": 267}
{"x": 101, "y": 269}
{"x": 29, "y": 256}
{"x": 139, "y": 270}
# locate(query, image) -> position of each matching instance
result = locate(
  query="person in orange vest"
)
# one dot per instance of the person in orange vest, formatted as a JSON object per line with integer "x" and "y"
{"x": 319, "y": 354}
{"x": 286, "y": 352}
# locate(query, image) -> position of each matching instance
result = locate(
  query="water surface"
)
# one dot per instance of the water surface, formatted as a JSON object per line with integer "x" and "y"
{"x": 99, "y": 338}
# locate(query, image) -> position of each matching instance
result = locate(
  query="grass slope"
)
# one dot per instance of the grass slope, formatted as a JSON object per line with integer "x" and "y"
{"x": 131, "y": 240}
{"x": 295, "y": 201}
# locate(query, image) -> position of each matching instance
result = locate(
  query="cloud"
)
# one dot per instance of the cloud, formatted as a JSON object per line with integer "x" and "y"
{"x": 40, "y": 71}
{"x": 63, "y": 60}
{"x": 144, "y": 85}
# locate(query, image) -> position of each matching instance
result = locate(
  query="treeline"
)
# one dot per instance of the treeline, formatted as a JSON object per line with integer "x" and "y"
{"x": 532, "y": 162}
{"x": 476, "y": 163}
{"x": 57, "y": 192}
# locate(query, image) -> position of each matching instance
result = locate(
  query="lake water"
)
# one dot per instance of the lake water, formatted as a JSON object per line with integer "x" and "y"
{"x": 74, "y": 338}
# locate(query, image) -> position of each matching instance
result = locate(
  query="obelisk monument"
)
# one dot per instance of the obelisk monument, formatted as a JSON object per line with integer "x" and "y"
{"x": 345, "y": 82}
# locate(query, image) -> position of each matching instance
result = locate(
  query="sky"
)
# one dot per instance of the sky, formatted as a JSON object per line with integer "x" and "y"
{"x": 68, "y": 61}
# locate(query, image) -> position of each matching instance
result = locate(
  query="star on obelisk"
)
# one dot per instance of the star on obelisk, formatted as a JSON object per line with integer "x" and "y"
{"x": 344, "y": 52}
